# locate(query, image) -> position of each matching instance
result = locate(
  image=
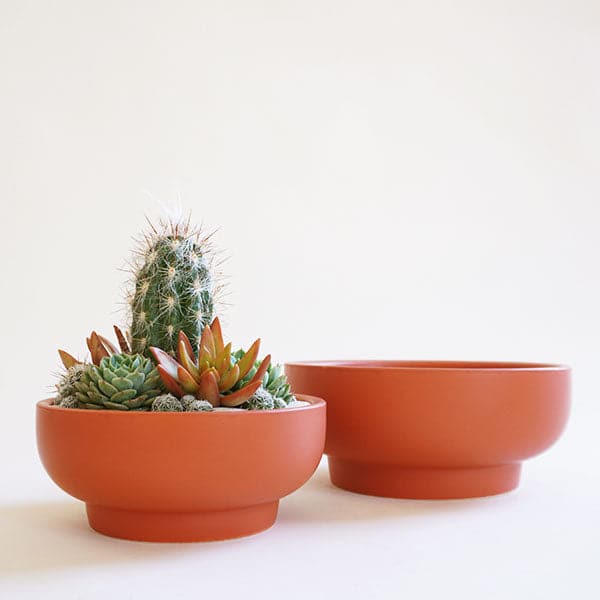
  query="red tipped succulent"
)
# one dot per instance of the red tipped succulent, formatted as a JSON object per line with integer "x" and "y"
{"x": 211, "y": 374}
{"x": 99, "y": 347}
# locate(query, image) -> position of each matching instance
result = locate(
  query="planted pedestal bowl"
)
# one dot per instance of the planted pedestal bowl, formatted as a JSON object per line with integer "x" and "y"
{"x": 181, "y": 477}
{"x": 434, "y": 429}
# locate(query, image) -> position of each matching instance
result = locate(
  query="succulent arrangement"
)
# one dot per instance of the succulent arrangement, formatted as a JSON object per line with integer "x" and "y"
{"x": 172, "y": 357}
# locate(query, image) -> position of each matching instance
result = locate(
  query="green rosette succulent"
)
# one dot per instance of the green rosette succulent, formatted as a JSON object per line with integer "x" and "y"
{"x": 119, "y": 382}
{"x": 274, "y": 381}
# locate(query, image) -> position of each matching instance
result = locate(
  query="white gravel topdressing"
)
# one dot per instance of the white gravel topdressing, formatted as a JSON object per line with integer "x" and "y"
{"x": 298, "y": 404}
{"x": 294, "y": 404}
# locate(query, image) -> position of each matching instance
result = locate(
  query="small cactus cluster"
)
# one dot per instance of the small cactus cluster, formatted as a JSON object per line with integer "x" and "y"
{"x": 65, "y": 388}
{"x": 172, "y": 357}
{"x": 262, "y": 399}
{"x": 188, "y": 403}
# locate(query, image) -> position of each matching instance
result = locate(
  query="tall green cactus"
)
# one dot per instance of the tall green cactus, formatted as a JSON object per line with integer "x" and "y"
{"x": 174, "y": 289}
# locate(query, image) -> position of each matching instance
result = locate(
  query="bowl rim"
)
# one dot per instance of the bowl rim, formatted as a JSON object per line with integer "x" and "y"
{"x": 458, "y": 366}
{"x": 315, "y": 404}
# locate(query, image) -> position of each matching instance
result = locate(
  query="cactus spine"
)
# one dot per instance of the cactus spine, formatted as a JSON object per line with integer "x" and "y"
{"x": 174, "y": 288}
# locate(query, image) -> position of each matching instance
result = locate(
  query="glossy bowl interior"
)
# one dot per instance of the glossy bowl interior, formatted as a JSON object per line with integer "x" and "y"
{"x": 435, "y": 429}
{"x": 181, "y": 476}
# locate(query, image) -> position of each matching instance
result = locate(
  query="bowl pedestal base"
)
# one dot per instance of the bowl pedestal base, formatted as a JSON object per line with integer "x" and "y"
{"x": 205, "y": 526}
{"x": 426, "y": 483}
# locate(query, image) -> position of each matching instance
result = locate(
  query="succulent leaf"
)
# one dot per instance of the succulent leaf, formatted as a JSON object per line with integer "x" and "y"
{"x": 247, "y": 361}
{"x": 229, "y": 379}
{"x": 187, "y": 382}
{"x": 262, "y": 369}
{"x": 107, "y": 345}
{"x": 168, "y": 363}
{"x": 123, "y": 396}
{"x": 67, "y": 359}
{"x": 207, "y": 342}
{"x": 170, "y": 382}
{"x": 208, "y": 388}
{"x": 187, "y": 359}
{"x": 96, "y": 348}
{"x": 123, "y": 343}
{"x": 217, "y": 336}
{"x": 182, "y": 337}
{"x": 241, "y": 396}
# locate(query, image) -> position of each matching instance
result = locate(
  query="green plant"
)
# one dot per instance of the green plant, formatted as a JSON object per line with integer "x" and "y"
{"x": 169, "y": 403}
{"x": 192, "y": 404}
{"x": 99, "y": 347}
{"x": 68, "y": 402}
{"x": 211, "y": 375}
{"x": 120, "y": 382}
{"x": 274, "y": 381}
{"x": 174, "y": 288}
{"x": 262, "y": 399}
{"x": 166, "y": 403}
{"x": 172, "y": 302}
{"x": 65, "y": 388}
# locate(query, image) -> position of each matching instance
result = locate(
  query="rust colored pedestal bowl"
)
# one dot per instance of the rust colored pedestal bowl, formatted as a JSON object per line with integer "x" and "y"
{"x": 434, "y": 430}
{"x": 181, "y": 477}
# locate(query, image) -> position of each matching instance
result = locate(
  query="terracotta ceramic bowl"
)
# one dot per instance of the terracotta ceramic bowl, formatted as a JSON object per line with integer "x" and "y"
{"x": 181, "y": 477}
{"x": 434, "y": 429}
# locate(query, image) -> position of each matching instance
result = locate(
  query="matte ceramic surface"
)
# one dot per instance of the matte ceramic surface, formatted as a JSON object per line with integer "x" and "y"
{"x": 434, "y": 429}
{"x": 181, "y": 477}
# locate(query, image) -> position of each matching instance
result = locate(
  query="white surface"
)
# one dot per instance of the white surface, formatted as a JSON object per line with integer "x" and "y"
{"x": 392, "y": 179}
{"x": 540, "y": 541}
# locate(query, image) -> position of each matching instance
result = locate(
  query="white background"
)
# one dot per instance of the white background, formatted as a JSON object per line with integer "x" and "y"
{"x": 391, "y": 179}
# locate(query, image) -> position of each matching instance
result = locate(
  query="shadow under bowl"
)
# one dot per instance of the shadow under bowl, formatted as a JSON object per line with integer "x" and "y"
{"x": 434, "y": 429}
{"x": 181, "y": 477}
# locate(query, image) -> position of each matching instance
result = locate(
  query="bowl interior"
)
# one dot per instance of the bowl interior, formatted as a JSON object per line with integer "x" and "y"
{"x": 313, "y": 402}
{"x": 458, "y": 365}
